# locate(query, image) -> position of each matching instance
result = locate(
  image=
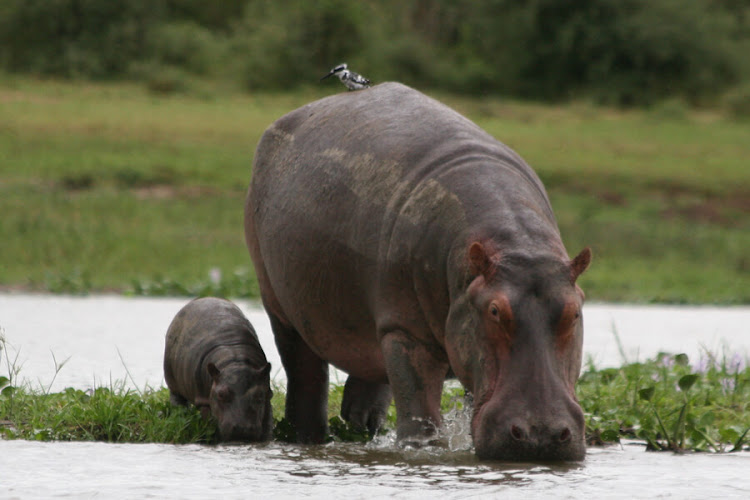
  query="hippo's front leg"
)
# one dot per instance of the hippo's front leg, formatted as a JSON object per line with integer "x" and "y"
{"x": 416, "y": 372}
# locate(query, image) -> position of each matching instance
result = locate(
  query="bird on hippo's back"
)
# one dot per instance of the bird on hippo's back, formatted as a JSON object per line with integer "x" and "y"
{"x": 352, "y": 80}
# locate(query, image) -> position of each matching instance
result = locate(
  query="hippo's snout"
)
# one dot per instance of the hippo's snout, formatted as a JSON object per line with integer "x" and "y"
{"x": 233, "y": 432}
{"x": 511, "y": 432}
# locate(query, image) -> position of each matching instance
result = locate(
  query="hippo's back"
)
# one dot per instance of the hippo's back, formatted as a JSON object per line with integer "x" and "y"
{"x": 350, "y": 191}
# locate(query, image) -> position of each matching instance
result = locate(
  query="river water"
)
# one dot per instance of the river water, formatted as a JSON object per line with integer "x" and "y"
{"x": 113, "y": 338}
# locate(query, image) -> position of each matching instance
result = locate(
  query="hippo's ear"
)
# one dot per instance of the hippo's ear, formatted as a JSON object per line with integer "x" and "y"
{"x": 264, "y": 372}
{"x": 480, "y": 261}
{"x": 579, "y": 264}
{"x": 213, "y": 371}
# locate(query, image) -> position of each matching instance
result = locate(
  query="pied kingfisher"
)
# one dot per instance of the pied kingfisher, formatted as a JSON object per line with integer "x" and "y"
{"x": 352, "y": 80}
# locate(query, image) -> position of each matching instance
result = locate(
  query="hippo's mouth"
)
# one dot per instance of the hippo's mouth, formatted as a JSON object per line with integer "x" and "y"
{"x": 506, "y": 429}
{"x": 480, "y": 404}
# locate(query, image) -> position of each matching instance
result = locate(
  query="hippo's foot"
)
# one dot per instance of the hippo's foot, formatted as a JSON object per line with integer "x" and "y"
{"x": 421, "y": 433}
{"x": 418, "y": 432}
{"x": 365, "y": 404}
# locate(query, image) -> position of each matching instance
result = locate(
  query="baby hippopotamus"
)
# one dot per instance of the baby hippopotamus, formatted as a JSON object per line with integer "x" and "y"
{"x": 213, "y": 359}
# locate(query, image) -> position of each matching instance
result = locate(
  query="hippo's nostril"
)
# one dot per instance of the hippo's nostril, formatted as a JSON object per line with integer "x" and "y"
{"x": 517, "y": 433}
{"x": 565, "y": 435}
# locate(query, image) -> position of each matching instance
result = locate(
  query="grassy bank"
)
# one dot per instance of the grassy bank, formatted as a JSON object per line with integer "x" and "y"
{"x": 113, "y": 188}
{"x": 667, "y": 402}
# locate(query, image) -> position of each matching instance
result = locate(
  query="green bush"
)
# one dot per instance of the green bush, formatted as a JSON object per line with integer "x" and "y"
{"x": 624, "y": 52}
{"x": 185, "y": 45}
{"x": 283, "y": 44}
{"x": 74, "y": 38}
{"x": 620, "y": 51}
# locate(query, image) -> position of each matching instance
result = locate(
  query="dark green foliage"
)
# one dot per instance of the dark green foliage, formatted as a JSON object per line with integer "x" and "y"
{"x": 620, "y": 51}
{"x": 669, "y": 404}
{"x": 74, "y": 38}
{"x": 279, "y": 45}
{"x": 626, "y": 52}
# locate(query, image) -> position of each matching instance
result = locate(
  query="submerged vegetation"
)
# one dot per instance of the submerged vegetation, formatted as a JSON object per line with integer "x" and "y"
{"x": 667, "y": 402}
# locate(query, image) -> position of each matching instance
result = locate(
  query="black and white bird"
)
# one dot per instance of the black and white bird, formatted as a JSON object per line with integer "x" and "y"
{"x": 352, "y": 80}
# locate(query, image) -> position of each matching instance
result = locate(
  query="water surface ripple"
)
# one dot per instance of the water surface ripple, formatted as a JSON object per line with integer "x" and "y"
{"x": 82, "y": 470}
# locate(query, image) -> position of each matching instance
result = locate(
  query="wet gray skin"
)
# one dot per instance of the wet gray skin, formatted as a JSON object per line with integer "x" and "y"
{"x": 396, "y": 240}
{"x": 213, "y": 360}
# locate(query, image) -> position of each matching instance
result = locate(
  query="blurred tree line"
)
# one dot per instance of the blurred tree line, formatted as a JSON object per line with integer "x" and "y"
{"x": 625, "y": 52}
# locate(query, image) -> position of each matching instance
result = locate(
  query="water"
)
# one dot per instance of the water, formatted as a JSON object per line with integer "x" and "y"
{"x": 85, "y": 470}
{"x": 111, "y": 338}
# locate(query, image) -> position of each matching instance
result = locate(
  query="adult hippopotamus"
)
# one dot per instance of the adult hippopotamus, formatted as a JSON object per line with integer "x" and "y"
{"x": 212, "y": 358}
{"x": 395, "y": 239}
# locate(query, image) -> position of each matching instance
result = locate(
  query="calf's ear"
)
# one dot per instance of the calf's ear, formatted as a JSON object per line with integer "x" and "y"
{"x": 264, "y": 372}
{"x": 579, "y": 264}
{"x": 213, "y": 371}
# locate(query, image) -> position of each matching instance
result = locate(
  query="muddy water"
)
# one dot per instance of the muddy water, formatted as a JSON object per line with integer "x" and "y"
{"x": 113, "y": 338}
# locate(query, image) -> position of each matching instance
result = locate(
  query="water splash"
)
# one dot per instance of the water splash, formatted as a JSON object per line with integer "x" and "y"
{"x": 456, "y": 429}
{"x": 453, "y": 436}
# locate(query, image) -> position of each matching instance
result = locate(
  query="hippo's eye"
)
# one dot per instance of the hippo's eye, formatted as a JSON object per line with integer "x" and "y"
{"x": 494, "y": 311}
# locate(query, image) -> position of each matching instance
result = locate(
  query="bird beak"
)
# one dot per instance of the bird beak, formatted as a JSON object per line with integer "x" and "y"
{"x": 329, "y": 74}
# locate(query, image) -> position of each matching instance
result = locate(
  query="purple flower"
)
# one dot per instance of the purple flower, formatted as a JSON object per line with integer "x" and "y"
{"x": 728, "y": 384}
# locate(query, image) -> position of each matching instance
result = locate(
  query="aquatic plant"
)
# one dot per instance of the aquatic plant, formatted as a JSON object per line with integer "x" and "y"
{"x": 669, "y": 404}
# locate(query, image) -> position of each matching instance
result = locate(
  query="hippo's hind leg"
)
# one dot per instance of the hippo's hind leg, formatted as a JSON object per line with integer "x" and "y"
{"x": 365, "y": 404}
{"x": 307, "y": 384}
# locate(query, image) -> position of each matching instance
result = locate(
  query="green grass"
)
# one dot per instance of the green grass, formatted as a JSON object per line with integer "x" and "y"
{"x": 112, "y": 188}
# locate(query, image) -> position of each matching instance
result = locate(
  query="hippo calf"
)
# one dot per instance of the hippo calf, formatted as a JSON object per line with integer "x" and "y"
{"x": 395, "y": 239}
{"x": 213, "y": 359}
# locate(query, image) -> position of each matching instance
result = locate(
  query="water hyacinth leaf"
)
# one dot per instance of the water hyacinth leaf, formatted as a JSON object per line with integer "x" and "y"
{"x": 651, "y": 443}
{"x": 7, "y": 391}
{"x": 647, "y": 393}
{"x": 610, "y": 436}
{"x": 4, "y": 381}
{"x": 344, "y": 431}
{"x": 284, "y": 431}
{"x": 682, "y": 359}
{"x": 687, "y": 381}
{"x": 730, "y": 434}
{"x": 740, "y": 441}
{"x": 707, "y": 419}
